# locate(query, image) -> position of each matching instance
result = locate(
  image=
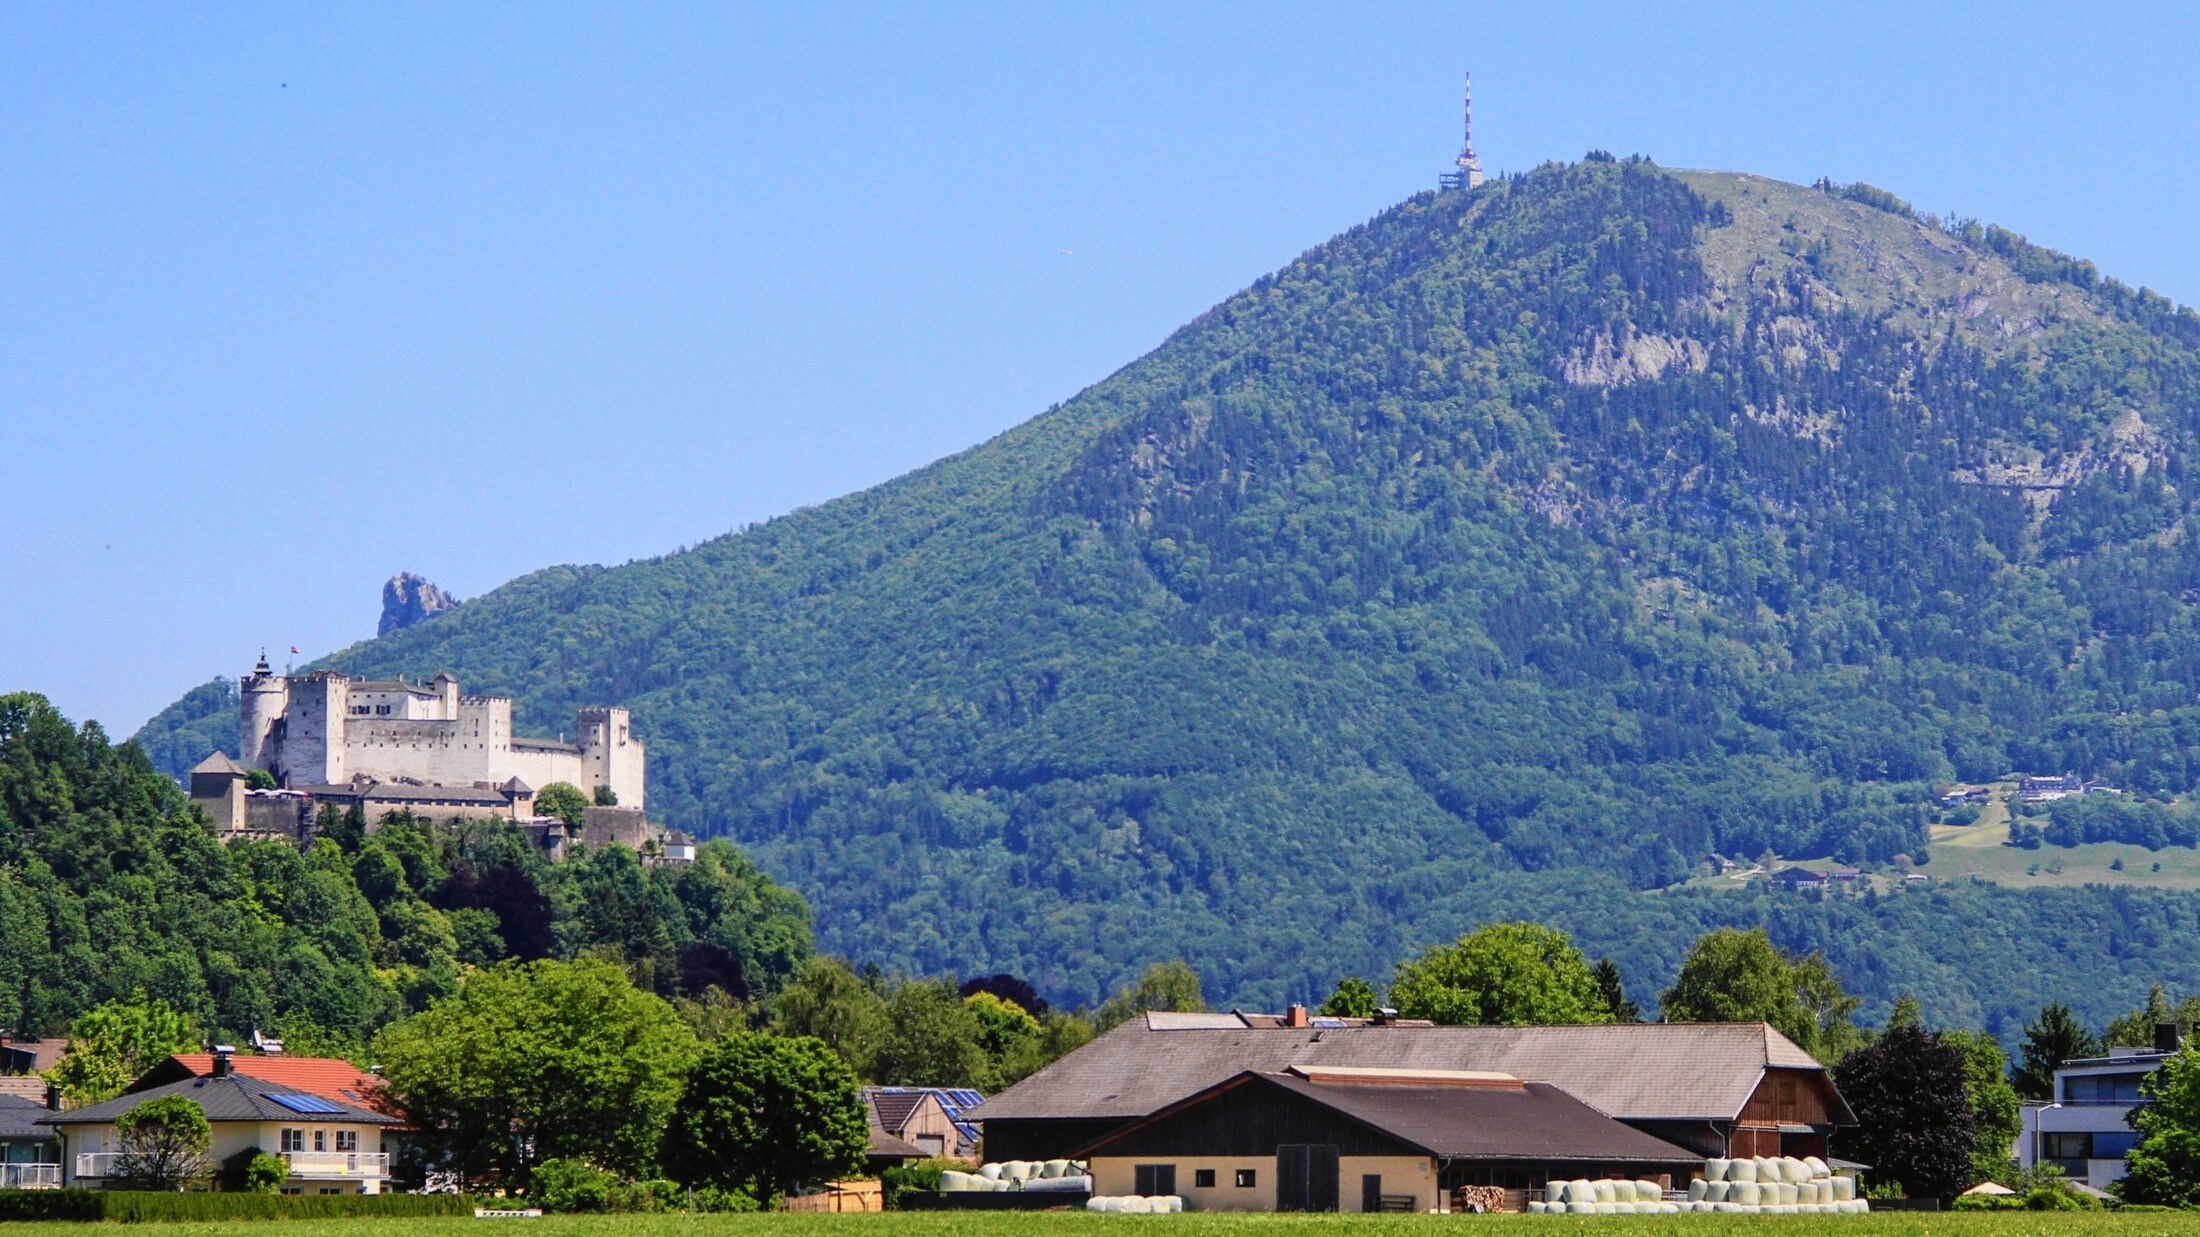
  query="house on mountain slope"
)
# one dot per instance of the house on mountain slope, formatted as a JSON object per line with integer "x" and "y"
{"x": 1725, "y": 1089}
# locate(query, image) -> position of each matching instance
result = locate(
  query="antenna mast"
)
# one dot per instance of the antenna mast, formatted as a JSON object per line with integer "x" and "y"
{"x": 1468, "y": 173}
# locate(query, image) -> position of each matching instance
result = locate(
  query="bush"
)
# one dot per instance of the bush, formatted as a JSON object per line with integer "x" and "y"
{"x": 576, "y": 1185}
{"x": 141, "y": 1205}
{"x": 571, "y": 1185}
{"x": 920, "y": 1175}
{"x": 1989, "y": 1202}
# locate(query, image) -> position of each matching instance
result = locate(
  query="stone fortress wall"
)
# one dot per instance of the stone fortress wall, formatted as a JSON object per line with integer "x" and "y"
{"x": 325, "y": 729}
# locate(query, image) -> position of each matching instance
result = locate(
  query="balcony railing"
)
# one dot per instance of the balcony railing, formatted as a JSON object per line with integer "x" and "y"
{"x": 30, "y": 1176}
{"x": 98, "y": 1163}
{"x": 337, "y": 1163}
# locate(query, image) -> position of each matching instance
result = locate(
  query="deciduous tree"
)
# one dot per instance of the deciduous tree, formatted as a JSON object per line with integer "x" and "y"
{"x": 1354, "y": 998}
{"x": 1508, "y": 974}
{"x": 830, "y": 1002}
{"x": 1911, "y": 1094}
{"x": 538, "y": 1060}
{"x": 562, "y": 800}
{"x": 1168, "y": 986}
{"x": 164, "y": 1143}
{"x": 113, "y": 1042}
{"x": 1731, "y": 975}
{"x": 766, "y": 1114}
{"x": 2164, "y": 1168}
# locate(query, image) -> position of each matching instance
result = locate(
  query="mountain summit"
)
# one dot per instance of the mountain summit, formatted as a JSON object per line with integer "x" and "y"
{"x": 1519, "y": 549}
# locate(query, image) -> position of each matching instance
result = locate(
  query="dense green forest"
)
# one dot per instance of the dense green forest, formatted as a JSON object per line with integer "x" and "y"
{"x": 1506, "y": 556}
{"x": 112, "y": 887}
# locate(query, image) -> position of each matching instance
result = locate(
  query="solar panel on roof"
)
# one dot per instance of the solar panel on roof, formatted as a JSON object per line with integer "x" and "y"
{"x": 305, "y": 1103}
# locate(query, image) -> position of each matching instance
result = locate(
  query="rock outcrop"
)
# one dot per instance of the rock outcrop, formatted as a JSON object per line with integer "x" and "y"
{"x": 409, "y": 600}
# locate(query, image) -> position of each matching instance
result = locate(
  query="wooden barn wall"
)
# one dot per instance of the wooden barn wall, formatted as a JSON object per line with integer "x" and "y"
{"x": 1793, "y": 1096}
{"x": 1252, "y": 1120}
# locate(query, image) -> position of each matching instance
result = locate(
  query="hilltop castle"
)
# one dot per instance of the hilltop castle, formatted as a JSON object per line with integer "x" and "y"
{"x": 324, "y": 729}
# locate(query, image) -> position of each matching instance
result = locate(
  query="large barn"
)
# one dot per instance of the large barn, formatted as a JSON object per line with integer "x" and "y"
{"x": 1715, "y": 1089}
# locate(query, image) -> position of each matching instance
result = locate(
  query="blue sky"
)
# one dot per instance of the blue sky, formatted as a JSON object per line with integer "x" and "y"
{"x": 297, "y": 296}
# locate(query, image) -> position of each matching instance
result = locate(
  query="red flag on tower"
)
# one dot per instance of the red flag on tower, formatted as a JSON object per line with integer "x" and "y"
{"x": 293, "y": 648}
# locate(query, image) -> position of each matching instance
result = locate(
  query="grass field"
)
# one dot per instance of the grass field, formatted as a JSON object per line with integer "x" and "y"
{"x": 1979, "y": 850}
{"x": 1046, "y": 1224}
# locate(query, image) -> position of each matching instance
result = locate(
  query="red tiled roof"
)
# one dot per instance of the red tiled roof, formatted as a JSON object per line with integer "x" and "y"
{"x": 326, "y": 1077}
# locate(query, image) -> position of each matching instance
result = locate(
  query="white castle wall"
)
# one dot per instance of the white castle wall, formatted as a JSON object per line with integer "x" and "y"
{"x": 332, "y": 727}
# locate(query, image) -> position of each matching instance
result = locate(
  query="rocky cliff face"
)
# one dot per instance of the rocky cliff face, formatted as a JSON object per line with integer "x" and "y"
{"x": 409, "y": 600}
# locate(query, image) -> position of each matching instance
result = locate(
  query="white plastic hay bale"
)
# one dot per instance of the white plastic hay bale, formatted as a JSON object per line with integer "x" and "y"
{"x": 1554, "y": 1191}
{"x": 1726, "y": 1208}
{"x": 1537, "y": 1206}
{"x": 1741, "y": 1170}
{"x": 1747, "y": 1193}
{"x": 1817, "y": 1167}
{"x": 1697, "y": 1189}
{"x": 1649, "y": 1192}
{"x": 1787, "y": 1193}
{"x": 1604, "y": 1192}
{"x": 1718, "y": 1191}
{"x": 1844, "y": 1189}
{"x": 1671, "y": 1209}
{"x": 1798, "y": 1171}
{"x": 1134, "y": 1205}
{"x": 1581, "y": 1190}
{"x": 1176, "y": 1204}
{"x": 1715, "y": 1170}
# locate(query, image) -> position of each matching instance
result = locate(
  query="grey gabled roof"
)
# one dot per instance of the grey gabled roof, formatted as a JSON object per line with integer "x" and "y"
{"x": 19, "y": 1118}
{"x": 1635, "y": 1071}
{"x": 219, "y": 762}
{"x": 1526, "y": 1121}
{"x": 234, "y": 1098}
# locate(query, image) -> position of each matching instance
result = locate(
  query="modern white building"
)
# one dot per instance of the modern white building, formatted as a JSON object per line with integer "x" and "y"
{"x": 2083, "y": 1129}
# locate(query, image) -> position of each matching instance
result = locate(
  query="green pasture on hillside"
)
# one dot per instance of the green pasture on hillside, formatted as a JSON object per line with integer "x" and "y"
{"x": 1049, "y": 1224}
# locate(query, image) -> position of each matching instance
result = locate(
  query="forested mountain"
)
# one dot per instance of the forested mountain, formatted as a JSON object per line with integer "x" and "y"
{"x": 1510, "y": 553}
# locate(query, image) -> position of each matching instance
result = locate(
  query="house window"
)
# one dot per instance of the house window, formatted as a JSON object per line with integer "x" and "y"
{"x": 2114, "y": 1144}
{"x": 2069, "y": 1146}
{"x": 1203, "y": 1179}
{"x": 294, "y": 1140}
{"x": 320, "y": 1140}
{"x": 347, "y": 1140}
{"x": 1246, "y": 1178}
{"x": 1155, "y": 1180}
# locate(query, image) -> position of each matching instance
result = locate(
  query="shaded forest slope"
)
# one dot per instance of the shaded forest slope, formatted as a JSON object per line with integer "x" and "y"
{"x": 1517, "y": 549}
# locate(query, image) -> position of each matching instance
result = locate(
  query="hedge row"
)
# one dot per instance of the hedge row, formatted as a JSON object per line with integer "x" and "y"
{"x": 141, "y": 1205}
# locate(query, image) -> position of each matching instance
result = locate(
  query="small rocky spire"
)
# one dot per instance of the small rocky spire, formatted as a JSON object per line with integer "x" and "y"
{"x": 408, "y": 600}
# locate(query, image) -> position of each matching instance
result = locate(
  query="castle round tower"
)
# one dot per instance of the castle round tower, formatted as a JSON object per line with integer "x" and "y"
{"x": 262, "y": 699}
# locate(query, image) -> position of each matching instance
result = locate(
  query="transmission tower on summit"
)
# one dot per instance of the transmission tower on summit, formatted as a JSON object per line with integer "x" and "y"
{"x": 1467, "y": 173}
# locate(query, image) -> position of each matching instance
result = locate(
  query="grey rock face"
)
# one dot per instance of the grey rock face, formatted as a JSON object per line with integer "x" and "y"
{"x": 408, "y": 600}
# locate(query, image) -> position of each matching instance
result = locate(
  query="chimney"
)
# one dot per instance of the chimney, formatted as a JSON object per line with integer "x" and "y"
{"x": 53, "y": 1097}
{"x": 1383, "y": 1017}
{"x": 224, "y": 1060}
{"x": 1295, "y": 1016}
{"x": 2168, "y": 1037}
